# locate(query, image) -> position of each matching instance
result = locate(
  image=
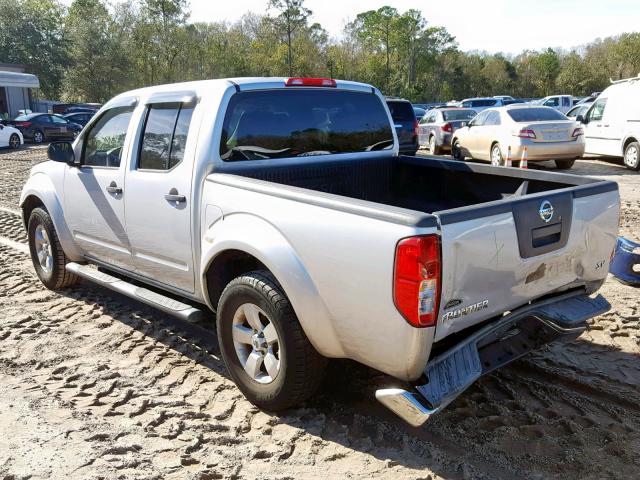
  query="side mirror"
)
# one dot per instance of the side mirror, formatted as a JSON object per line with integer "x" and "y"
{"x": 61, "y": 152}
{"x": 580, "y": 118}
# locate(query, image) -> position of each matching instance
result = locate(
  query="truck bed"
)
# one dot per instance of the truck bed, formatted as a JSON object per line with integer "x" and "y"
{"x": 423, "y": 184}
{"x": 498, "y": 251}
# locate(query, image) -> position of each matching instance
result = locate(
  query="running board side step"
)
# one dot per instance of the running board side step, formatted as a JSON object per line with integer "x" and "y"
{"x": 168, "y": 305}
{"x": 497, "y": 344}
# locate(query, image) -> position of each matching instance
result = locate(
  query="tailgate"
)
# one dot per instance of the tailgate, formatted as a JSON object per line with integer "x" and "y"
{"x": 500, "y": 255}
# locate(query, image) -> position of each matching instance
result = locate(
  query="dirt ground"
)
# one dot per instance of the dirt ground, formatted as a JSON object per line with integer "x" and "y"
{"x": 93, "y": 385}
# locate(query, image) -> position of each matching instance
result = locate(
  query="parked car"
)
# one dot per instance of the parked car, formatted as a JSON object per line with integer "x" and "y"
{"x": 578, "y": 109}
{"x": 562, "y": 103}
{"x": 405, "y": 123}
{"x": 438, "y": 125}
{"x": 419, "y": 112}
{"x": 547, "y": 134}
{"x": 282, "y": 205}
{"x": 80, "y": 118}
{"x": 10, "y": 137}
{"x": 40, "y": 127}
{"x": 63, "y": 108}
{"x": 612, "y": 123}
{"x": 480, "y": 104}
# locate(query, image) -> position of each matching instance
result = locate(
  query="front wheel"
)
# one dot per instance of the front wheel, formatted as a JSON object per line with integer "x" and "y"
{"x": 632, "y": 156}
{"x": 456, "y": 151}
{"x": 49, "y": 260}
{"x": 496, "y": 155}
{"x": 564, "y": 164}
{"x": 266, "y": 352}
{"x": 14, "y": 141}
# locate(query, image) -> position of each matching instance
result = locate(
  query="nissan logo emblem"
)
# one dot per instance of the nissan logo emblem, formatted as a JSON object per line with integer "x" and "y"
{"x": 546, "y": 211}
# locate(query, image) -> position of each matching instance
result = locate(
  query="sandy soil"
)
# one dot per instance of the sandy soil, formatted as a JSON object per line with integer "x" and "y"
{"x": 93, "y": 385}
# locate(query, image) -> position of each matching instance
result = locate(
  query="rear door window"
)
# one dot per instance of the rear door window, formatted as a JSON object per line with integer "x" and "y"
{"x": 293, "y": 122}
{"x": 493, "y": 118}
{"x": 164, "y": 137}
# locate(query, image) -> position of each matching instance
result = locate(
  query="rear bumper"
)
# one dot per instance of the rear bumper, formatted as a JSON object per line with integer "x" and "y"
{"x": 548, "y": 151}
{"x": 494, "y": 346}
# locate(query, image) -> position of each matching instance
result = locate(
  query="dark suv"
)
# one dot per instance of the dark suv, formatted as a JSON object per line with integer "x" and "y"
{"x": 406, "y": 124}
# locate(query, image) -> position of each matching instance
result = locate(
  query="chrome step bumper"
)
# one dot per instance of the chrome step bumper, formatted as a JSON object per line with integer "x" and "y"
{"x": 166, "y": 304}
{"x": 494, "y": 346}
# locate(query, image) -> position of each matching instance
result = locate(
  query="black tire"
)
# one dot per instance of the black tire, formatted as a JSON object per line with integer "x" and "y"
{"x": 456, "y": 151}
{"x": 435, "y": 149}
{"x": 631, "y": 159}
{"x": 57, "y": 277}
{"x": 38, "y": 137}
{"x": 14, "y": 141}
{"x": 564, "y": 164}
{"x": 301, "y": 366}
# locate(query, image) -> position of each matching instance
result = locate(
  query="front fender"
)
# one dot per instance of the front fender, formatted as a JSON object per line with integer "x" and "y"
{"x": 39, "y": 185}
{"x": 257, "y": 237}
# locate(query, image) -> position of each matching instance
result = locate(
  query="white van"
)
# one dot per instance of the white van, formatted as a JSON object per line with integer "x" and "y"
{"x": 612, "y": 124}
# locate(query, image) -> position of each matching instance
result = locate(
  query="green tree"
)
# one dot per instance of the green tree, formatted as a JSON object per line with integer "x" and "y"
{"x": 292, "y": 18}
{"x": 31, "y": 34}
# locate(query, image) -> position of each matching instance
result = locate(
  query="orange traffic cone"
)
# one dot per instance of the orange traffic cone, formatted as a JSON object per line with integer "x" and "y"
{"x": 507, "y": 162}
{"x": 523, "y": 162}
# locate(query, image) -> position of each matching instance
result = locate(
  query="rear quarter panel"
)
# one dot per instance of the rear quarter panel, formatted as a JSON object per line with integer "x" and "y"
{"x": 336, "y": 268}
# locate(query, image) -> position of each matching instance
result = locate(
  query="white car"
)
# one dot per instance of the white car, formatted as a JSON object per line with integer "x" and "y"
{"x": 10, "y": 137}
{"x": 481, "y": 103}
{"x": 546, "y": 133}
{"x": 562, "y": 103}
{"x": 612, "y": 123}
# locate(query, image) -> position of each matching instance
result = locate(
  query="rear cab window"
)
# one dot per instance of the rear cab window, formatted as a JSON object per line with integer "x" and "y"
{"x": 281, "y": 123}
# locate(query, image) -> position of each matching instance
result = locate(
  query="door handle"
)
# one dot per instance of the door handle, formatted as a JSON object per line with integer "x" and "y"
{"x": 114, "y": 188}
{"x": 174, "y": 196}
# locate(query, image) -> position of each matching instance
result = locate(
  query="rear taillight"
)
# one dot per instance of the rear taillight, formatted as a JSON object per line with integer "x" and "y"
{"x": 525, "y": 133}
{"x": 310, "y": 82}
{"x": 446, "y": 128}
{"x": 416, "y": 280}
{"x": 577, "y": 132}
{"x": 22, "y": 124}
{"x": 416, "y": 127}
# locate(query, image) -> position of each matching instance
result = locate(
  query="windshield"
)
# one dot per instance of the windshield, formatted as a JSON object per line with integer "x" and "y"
{"x": 450, "y": 115}
{"x": 535, "y": 114}
{"x": 298, "y": 122}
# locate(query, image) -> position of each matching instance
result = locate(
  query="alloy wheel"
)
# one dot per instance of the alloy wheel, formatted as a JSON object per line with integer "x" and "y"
{"x": 256, "y": 343}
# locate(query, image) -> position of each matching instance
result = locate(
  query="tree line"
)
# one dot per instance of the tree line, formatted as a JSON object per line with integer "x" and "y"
{"x": 93, "y": 50}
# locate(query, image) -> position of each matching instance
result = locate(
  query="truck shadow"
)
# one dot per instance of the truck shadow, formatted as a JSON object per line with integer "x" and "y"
{"x": 524, "y": 420}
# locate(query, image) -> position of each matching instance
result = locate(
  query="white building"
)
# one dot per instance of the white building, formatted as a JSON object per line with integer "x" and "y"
{"x": 18, "y": 90}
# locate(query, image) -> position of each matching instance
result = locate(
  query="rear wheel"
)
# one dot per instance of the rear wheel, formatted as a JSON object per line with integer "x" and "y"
{"x": 456, "y": 151}
{"x": 38, "y": 136}
{"x": 263, "y": 345}
{"x": 496, "y": 155}
{"x": 564, "y": 164}
{"x": 433, "y": 148}
{"x": 14, "y": 141}
{"x": 49, "y": 260}
{"x": 632, "y": 156}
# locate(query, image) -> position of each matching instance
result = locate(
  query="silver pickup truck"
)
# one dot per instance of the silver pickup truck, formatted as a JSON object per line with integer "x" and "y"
{"x": 282, "y": 205}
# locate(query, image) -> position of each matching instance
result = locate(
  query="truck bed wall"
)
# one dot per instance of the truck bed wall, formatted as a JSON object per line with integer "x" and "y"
{"x": 405, "y": 182}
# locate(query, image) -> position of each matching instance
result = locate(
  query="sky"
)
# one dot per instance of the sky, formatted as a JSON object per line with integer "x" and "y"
{"x": 508, "y": 26}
